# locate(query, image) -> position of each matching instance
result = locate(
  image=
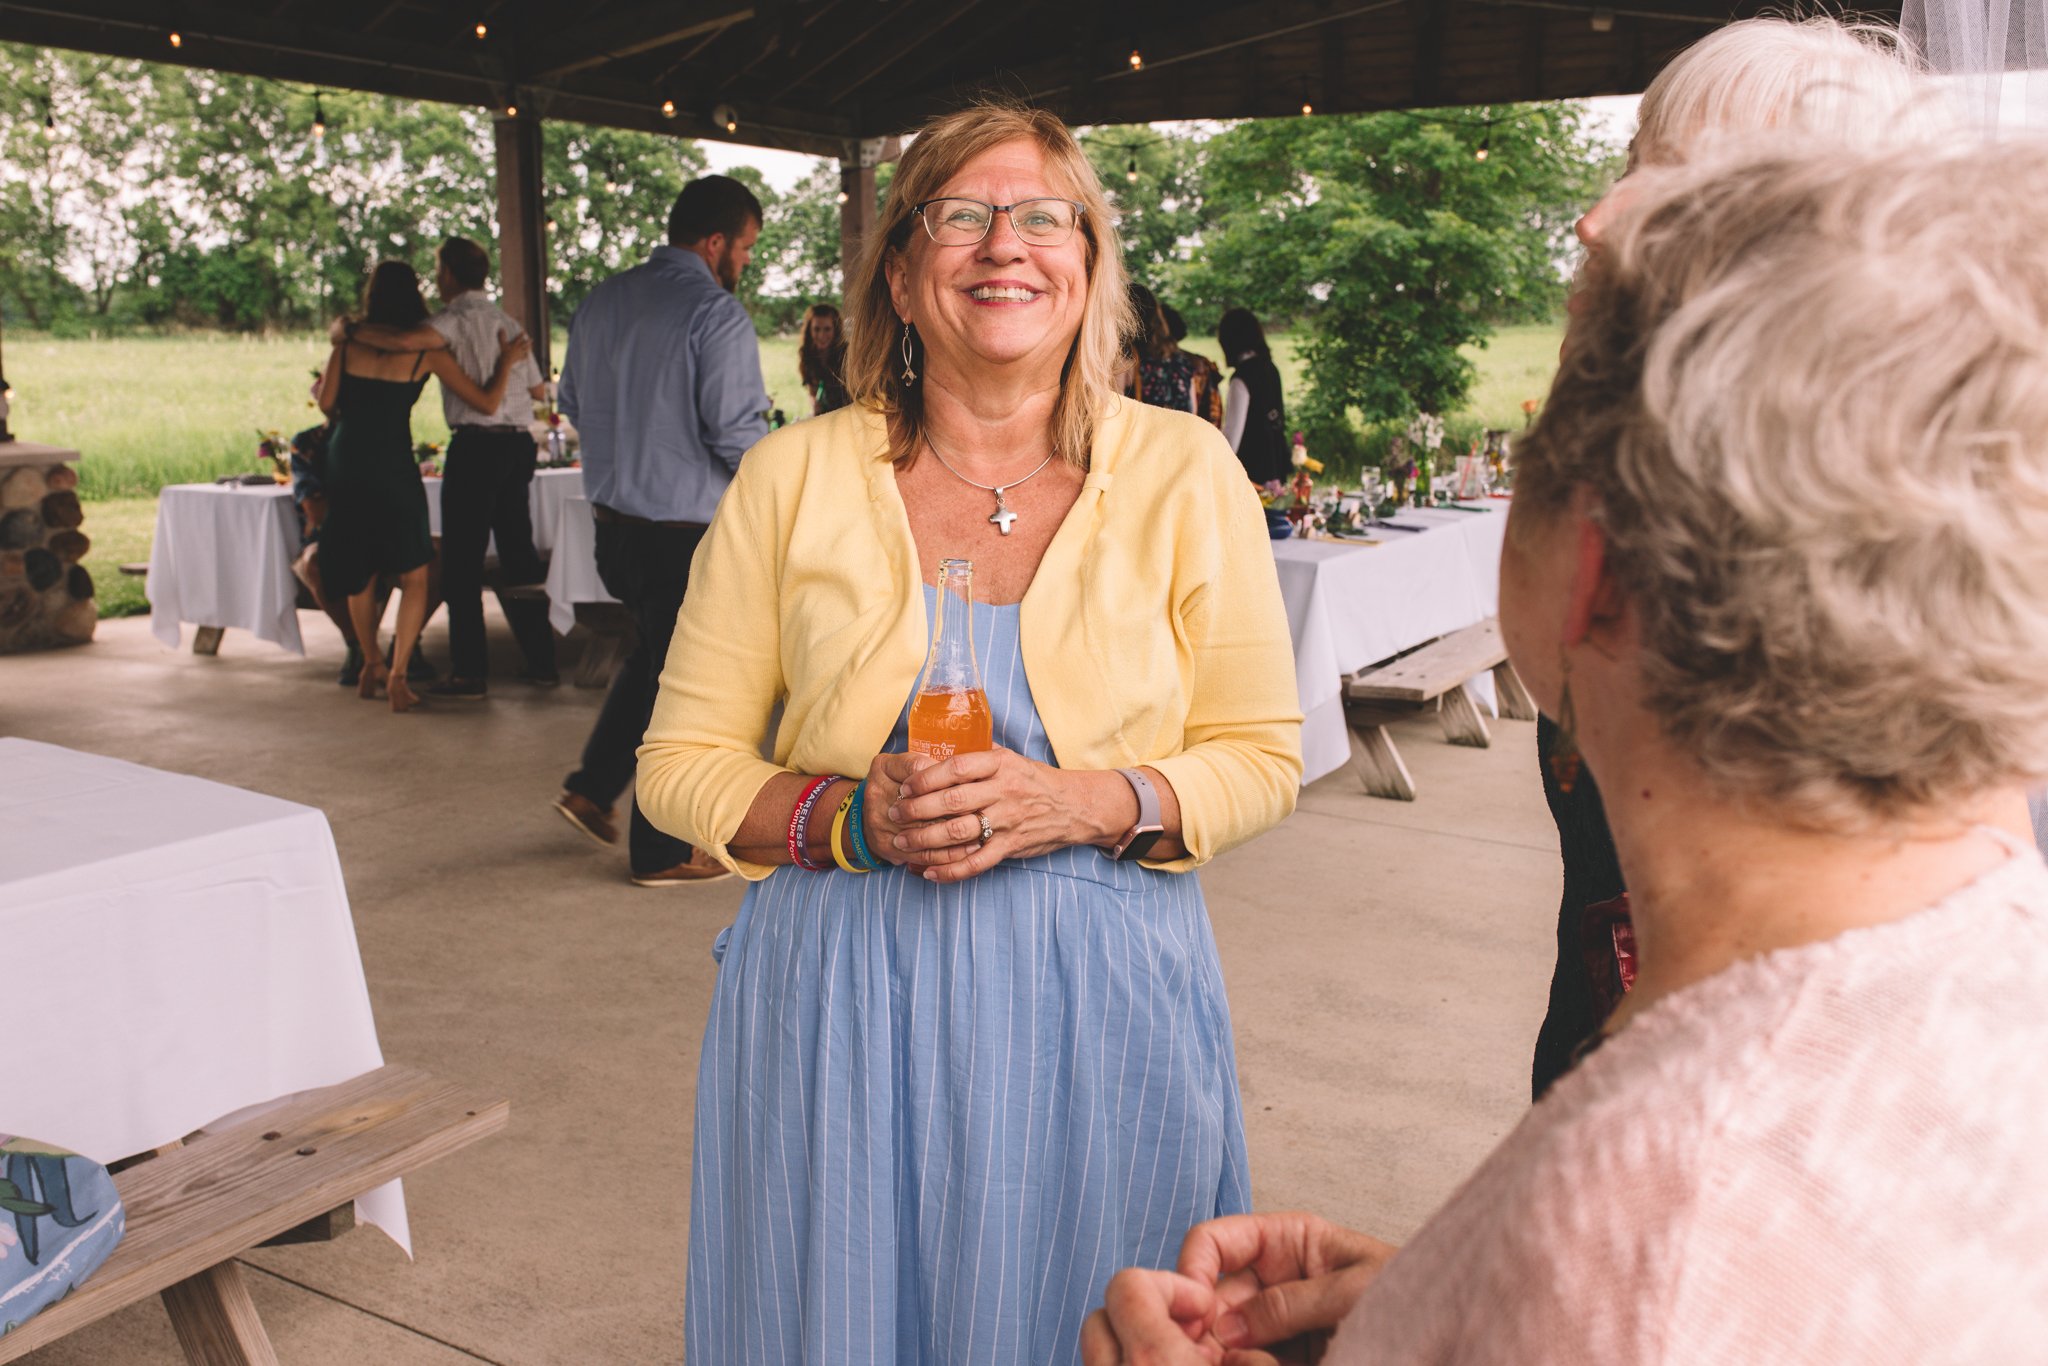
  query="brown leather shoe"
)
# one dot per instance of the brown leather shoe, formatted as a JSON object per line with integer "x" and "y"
{"x": 699, "y": 868}
{"x": 587, "y": 816}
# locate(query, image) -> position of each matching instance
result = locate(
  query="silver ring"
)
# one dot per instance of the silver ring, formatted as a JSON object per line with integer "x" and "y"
{"x": 988, "y": 832}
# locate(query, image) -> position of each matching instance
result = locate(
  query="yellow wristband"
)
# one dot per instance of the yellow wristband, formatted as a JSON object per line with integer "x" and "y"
{"x": 839, "y": 835}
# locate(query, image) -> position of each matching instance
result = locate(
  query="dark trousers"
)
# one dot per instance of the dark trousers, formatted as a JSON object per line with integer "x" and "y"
{"x": 1592, "y": 874}
{"x": 484, "y": 494}
{"x": 647, "y": 568}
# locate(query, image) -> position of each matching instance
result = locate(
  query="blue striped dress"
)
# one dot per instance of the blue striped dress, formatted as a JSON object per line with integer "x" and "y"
{"x": 933, "y": 1121}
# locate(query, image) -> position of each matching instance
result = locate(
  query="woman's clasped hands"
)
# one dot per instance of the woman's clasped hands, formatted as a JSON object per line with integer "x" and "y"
{"x": 1250, "y": 1290}
{"x": 959, "y": 817}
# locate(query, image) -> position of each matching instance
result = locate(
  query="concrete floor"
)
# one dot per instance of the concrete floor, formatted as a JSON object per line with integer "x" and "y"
{"x": 1387, "y": 965}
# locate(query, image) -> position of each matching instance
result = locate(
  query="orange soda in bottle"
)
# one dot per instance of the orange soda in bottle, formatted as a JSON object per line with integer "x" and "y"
{"x": 950, "y": 714}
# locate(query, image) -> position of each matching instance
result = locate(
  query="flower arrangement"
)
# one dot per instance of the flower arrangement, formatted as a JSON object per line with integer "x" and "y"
{"x": 1299, "y": 456}
{"x": 272, "y": 448}
{"x": 1426, "y": 431}
{"x": 1529, "y": 407}
{"x": 428, "y": 453}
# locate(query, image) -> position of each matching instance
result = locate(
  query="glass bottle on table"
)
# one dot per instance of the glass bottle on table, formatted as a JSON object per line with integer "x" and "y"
{"x": 950, "y": 714}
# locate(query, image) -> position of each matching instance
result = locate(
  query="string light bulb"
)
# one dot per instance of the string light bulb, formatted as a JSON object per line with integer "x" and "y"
{"x": 319, "y": 118}
{"x": 668, "y": 109}
{"x": 842, "y": 196}
{"x": 726, "y": 117}
{"x": 483, "y": 30}
{"x": 1137, "y": 60}
{"x": 1131, "y": 172}
{"x": 1485, "y": 145}
{"x": 511, "y": 111}
{"x": 49, "y": 120}
{"x": 177, "y": 38}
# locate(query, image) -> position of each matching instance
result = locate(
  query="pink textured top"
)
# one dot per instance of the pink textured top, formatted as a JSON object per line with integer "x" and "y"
{"x": 1836, "y": 1153}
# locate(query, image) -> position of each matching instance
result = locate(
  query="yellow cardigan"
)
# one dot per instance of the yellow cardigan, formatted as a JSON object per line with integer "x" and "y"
{"x": 1153, "y": 631}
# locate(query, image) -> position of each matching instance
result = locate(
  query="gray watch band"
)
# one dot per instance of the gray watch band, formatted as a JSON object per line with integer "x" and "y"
{"x": 1139, "y": 839}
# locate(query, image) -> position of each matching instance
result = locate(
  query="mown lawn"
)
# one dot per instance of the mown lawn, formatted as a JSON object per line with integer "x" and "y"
{"x": 151, "y": 411}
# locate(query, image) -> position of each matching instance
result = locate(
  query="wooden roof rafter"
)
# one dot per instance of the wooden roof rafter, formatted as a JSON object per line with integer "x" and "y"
{"x": 816, "y": 75}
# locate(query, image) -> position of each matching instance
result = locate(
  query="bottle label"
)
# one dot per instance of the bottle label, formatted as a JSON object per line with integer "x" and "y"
{"x": 934, "y": 749}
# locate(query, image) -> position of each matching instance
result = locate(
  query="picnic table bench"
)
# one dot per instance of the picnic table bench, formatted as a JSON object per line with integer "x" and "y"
{"x": 1433, "y": 675}
{"x": 194, "y": 1207}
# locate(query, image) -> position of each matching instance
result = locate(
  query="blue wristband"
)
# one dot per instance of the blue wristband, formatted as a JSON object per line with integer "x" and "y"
{"x": 855, "y": 818}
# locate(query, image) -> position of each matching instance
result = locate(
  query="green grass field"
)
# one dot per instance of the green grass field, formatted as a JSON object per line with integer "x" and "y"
{"x": 147, "y": 412}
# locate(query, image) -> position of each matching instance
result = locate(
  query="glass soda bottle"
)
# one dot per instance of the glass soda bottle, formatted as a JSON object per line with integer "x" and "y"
{"x": 950, "y": 713}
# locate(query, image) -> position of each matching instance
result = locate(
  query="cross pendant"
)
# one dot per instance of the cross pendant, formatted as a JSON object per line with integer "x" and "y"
{"x": 1002, "y": 516}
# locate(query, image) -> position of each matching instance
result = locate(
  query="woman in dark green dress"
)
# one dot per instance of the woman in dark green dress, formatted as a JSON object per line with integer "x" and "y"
{"x": 376, "y": 506}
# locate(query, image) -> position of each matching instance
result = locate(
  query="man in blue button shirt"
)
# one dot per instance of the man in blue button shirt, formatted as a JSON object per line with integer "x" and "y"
{"x": 663, "y": 382}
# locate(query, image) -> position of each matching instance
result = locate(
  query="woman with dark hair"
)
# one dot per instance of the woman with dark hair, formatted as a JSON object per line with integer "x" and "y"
{"x": 821, "y": 359}
{"x": 377, "y": 507}
{"x": 1161, "y": 374}
{"x": 1208, "y": 384}
{"x": 1254, "y": 411}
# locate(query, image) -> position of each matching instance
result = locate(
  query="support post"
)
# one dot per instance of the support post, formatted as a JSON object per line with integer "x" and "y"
{"x": 856, "y": 213}
{"x": 857, "y": 163}
{"x": 523, "y": 231}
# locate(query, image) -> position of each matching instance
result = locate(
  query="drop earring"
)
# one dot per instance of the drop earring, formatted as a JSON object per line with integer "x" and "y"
{"x": 909, "y": 375}
{"x": 1564, "y": 755}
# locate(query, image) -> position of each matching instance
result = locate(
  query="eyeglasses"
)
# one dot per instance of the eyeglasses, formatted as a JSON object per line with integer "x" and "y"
{"x": 963, "y": 222}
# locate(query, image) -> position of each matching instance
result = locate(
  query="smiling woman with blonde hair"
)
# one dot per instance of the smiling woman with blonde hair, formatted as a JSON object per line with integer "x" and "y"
{"x": 969, "y": 1050}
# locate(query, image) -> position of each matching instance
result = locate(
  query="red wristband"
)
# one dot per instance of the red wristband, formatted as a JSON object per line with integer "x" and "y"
{"x": 800, "y": 825}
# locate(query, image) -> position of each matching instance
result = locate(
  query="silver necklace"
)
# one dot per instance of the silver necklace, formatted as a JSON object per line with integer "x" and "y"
{"x": 1003, "y": 517}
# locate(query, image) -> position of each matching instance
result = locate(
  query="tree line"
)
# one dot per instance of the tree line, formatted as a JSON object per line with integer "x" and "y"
{"x": 134, "y": 194}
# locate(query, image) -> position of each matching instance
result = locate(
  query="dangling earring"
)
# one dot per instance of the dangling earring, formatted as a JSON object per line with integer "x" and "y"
{"x": 1564, "y": 746}
{"x": 909, "y": 375}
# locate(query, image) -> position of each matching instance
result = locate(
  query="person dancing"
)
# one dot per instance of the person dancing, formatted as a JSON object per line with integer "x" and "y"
{"x": 377, "y": 508}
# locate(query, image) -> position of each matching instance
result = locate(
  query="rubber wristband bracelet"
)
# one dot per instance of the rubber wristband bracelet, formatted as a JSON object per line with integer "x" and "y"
{"x": 800, "y": 826}
{"x": 839, "y": 836}
{"x": 856, "y": 821}
{"x": 811, "y": 805}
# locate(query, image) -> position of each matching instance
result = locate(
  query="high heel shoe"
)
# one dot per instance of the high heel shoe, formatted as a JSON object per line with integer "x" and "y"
{"x": 403, "y": 698}
{"x": 373, "y": 676}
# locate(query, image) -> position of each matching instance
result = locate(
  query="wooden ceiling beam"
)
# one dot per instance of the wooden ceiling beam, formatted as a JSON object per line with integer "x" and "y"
{"x": 362, "y": 64}
{"x": 1229, "y": 32}
{"x": 1433, "y": 21}
{"x": 874, "y": 67}
{"x": 999, "y": 20}
{"x": 627, "y": 34}
{"x": 383, "y": 16}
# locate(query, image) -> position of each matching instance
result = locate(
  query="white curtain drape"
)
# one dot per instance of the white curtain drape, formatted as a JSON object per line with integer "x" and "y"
{"x": 1991, "y": 55}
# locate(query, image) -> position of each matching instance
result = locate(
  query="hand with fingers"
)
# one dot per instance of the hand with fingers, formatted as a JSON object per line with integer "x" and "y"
{"x": 1282, "y": 1282}
{"x": 887, "y": 778}
{"x": 966, "y": 814}
{"x": 1152, "y": 1318}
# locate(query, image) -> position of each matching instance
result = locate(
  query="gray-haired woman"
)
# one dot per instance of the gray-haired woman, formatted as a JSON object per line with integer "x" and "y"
{"x": 1780, "y": 542}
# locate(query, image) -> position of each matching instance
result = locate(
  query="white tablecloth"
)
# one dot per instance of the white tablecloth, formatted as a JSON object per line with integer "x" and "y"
{"x": 572, "y": 573}
{"x": 1351, "y": 605}
{"x": 179, "y": 950}
{"x": 223, "y": 557}
{"x": 545, "y": 496}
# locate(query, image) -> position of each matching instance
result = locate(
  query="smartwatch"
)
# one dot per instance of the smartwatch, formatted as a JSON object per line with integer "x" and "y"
{"x": 1139, "y": 839}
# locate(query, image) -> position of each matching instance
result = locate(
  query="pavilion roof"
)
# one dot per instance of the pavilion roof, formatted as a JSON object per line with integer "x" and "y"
{"x": 819, "y": 75}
